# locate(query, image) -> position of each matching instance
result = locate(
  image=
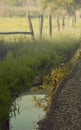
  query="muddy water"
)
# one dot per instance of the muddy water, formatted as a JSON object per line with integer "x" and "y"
{"x": 28, "y": 111}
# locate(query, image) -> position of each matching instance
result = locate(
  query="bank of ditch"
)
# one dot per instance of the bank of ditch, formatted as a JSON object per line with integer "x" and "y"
{"x": 64, "y": 113}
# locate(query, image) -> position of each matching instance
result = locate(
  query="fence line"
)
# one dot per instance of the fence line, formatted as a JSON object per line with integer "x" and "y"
{"x": 30, "y": 26}
{"x": 8, "y": 33}
{"x": 41, "y": 18}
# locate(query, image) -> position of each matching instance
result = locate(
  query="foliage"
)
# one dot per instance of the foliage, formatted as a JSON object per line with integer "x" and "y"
{"x": 17, "y": 2}
{"x": 21, "y": 7}
{"x": 12, "y": 8}
{"x": 69, "y": 5}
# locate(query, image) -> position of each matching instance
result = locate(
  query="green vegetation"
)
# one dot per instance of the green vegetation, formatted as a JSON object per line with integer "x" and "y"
{"x": 68, "y": 5}
{"x": 23, "y": 61}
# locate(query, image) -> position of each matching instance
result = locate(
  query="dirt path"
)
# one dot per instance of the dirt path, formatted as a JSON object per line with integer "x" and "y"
{"x": 65, "y": 110}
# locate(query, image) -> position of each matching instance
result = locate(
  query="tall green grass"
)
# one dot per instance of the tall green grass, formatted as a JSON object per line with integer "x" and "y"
{"x": 22, "y": 59}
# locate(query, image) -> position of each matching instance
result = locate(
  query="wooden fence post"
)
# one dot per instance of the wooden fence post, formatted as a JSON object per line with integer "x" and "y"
{"x": 58, "y": 23}
{"x": 30, "y": 25}
{"x": 50, "y": 25}
{"x": 63, "y": 22}
{"x": 41, "y": 26}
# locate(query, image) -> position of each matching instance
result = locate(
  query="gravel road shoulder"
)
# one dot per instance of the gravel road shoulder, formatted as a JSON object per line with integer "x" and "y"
{"x": 65, "y": 110}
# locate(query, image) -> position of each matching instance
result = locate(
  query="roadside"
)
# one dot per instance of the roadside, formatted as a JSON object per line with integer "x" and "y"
{"x": 65, "y": 110}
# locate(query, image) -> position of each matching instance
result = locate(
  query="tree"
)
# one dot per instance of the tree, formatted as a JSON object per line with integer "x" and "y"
{"x": 69, "y": 5}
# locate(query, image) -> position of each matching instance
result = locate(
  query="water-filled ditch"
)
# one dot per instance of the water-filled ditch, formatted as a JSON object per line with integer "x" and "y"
{"x": 28, "y": 110}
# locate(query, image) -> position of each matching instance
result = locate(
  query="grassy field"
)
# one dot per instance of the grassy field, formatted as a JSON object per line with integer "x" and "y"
{"x": 23, "y": 59}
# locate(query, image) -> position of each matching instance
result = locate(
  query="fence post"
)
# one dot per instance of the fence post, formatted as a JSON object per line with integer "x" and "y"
{"x": 63, "y": 22}
{"x": 41, "y": 25}
{"x": 31, "y": 27}
{"x": 50, "y": 25}
{"x": 58, "y": 23}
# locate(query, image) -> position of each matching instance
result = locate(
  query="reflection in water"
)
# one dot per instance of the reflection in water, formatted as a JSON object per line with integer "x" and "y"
{"x": 42, "y": 103}
{"x": 27, "y": 112}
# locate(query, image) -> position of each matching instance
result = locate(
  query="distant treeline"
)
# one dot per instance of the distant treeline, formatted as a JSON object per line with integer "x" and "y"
{"x": 7, "y": 11}
{"x": 18, "y": 7}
